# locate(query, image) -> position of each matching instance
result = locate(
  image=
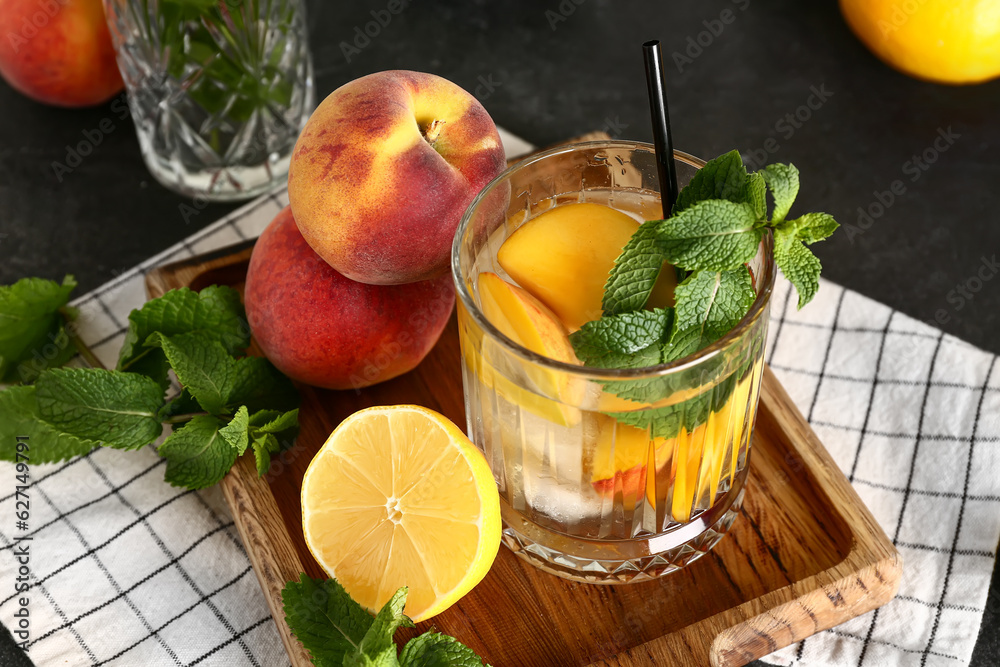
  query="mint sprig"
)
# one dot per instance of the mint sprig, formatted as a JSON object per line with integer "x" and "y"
{"x": 33, "y": 319}
{"x": 228, "y": 402}
{"x": 714, "y": 231}
{"x": 338, "y": 632}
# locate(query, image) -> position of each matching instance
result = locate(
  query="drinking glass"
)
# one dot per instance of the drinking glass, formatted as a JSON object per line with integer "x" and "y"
{"x": 218, "y": 90}
{"x": 605, "y": 476}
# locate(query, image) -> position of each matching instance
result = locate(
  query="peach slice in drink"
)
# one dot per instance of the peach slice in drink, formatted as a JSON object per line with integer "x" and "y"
{"x": 529, "y": 323}
{"x": 564, "y": 257}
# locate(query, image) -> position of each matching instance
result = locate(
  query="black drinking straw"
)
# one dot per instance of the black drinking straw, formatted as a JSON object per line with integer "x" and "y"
{"x": 662, "y": 142}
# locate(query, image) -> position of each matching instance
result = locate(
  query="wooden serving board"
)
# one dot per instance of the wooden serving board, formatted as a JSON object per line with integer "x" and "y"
{"x": 804, "y": 555}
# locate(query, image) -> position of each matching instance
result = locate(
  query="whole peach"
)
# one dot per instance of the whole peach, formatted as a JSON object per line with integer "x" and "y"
{"x": 385, "y": 168}
{"x": 58, "y": 51}
{"x": 324, "y": 329}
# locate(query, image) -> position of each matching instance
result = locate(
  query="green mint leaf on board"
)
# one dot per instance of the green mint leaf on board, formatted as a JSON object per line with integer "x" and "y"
{"x": 117, "y": 409}
{"x": 264, "y": 444}
{"x": 433, "y": 649}
{"x": 724, "y": 177}
{"x": 215, "y": 310}
{"x": 181, "y": 404}
{"x": 325, "y": 619}
{"x": 635, "y": 272}
{"x": 273, "y": 421}
{"x": 218, "y": 381}
{"x": 197, "y": 455}
{"x": 19, "y": 417}
{"x": 261, "y": 430}
{"x": 376, "y": 647}
{"x": 798, "y": 263}
{"x": 203, "y": 367}
{"x": 712, "y": 235}
{"x": 273, "y": 434}
{"x": 783, "y": 182}
{"x": 809, "y": 228}
{"x": 236, "y": 432}
{"x": 260, "y": 386}
{"x": 709, "y": 304}
{"x": 32, "y": 328}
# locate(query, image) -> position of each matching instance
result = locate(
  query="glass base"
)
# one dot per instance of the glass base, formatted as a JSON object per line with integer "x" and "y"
{"x": 222, "y": 184}
{"x": 595, "y": 562}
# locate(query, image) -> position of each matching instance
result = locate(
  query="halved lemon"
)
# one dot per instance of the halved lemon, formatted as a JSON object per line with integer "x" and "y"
{"x": 399, "y": 496}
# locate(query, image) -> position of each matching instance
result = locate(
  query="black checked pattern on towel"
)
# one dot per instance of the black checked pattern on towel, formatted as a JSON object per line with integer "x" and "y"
{"x": 246, "y": 636}
{"x": 92, "y": 552}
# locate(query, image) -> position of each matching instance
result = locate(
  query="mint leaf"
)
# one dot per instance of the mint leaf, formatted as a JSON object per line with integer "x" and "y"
{"x": 32, "y": 329}
{"x": 629, "y": 340}
{"x": 236, "y": 432}
{"x": 783, "y": 181}
{"x": 272, "y": 436}
{"x": 712, "y": 235}
{"x": 810, "y": 227}
{"x": 264, "y": 444}
{"x": 260, "y": 386}
{"x": 326, "y": 620}
{"x": 387, "y": 620}
{"x": 115, "y": 408}
{"x": 202, "y": 365}
{"x": 799, "y": 265}
{"x": 757, "y": 195}
{"x": 47, "y": 444}
{"x": 197, "y": 455}
{"x": 626, "y": 333}
{"x": 635, "y": 272}
{"x": 218, "y": 381}
{"x": 271, "y": 421}
{"x": 215, "y": 310}
{"x": 433, "y": 649}
{"x": 724, "y": 177}
{"x": 260, "y": 430}
{"x": 182, "y": 404}
{"x": 709, "y": 304}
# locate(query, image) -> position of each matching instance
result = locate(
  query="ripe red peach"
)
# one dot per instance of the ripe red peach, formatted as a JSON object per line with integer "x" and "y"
{"x": 383, "y": 171}
{"x": 58, "y": 52}
{"x": 321, "y": 328}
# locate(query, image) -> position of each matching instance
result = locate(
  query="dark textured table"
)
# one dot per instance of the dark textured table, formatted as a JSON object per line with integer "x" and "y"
{"x": 910, "y": 166}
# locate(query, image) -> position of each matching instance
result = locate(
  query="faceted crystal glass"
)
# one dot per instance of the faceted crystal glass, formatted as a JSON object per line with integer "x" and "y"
{"x": 605, "y": 476}
{"x": 218, "y": 90}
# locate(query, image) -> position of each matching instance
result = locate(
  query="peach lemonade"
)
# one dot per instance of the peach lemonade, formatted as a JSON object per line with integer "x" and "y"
{"x": 617, "y": 419}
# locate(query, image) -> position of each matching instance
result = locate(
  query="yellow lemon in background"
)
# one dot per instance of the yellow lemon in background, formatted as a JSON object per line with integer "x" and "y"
{"x": 947, "y": 41}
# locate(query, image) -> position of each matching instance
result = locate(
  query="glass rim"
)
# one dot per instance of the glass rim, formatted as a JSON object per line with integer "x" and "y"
{"x": 678, "y": 365}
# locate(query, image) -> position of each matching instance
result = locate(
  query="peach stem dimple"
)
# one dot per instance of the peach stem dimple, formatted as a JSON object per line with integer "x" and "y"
{"x": 432, "y": 130}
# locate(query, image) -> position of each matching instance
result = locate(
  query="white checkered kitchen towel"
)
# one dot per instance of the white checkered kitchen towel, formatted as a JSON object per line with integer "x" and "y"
{"x": 130, "y": 571}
